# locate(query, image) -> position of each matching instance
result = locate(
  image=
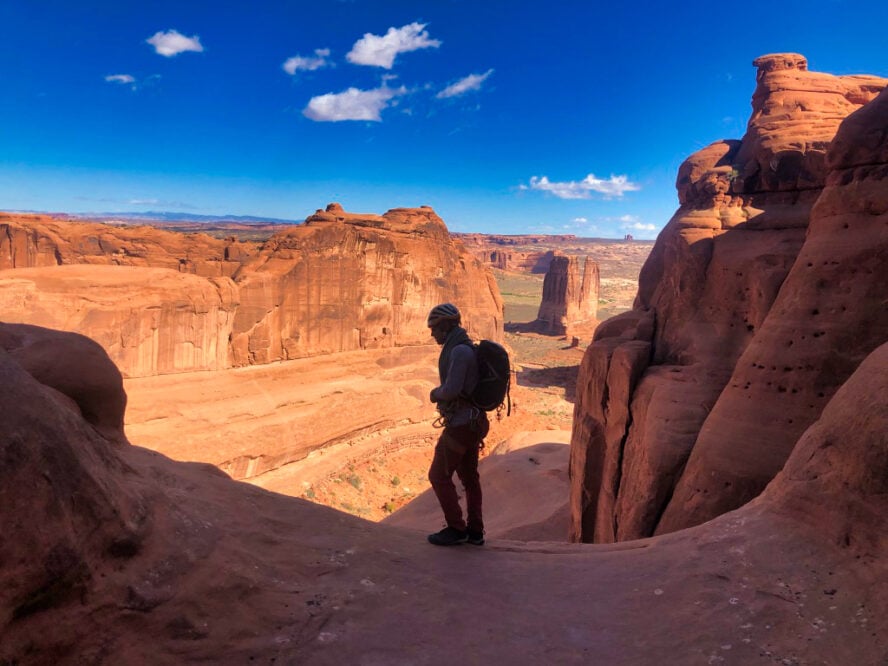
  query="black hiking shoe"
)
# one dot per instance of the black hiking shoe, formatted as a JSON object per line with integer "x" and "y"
{"x": 449, "y": 536}
{"x": 475, "y": 538}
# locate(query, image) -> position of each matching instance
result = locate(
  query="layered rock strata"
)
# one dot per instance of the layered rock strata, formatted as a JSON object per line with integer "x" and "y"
{"x": 570, "y": 300}
{"x": 150, "y": 320}
{"x": 500, "y": 251}
{"x": 29, "y": 241}
{"x": 162, "y": 302}
{"x": 759, "y": 299}
{"x": 345, "y": 281}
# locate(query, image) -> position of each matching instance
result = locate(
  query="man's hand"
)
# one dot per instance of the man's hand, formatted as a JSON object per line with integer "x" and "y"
{"x": 432, "y": 395}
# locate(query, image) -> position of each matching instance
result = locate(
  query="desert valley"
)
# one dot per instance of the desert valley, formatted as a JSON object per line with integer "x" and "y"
{"x": 217, "y": 436}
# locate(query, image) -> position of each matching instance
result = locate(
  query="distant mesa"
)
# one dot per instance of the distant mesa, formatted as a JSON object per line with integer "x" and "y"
{"x": 422, "y": 220}
{"x": 500, "y": 251}
{"x": 762, "y": 295}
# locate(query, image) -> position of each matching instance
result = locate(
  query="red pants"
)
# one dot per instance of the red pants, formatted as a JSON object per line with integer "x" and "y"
{"x": 457, "y": 451}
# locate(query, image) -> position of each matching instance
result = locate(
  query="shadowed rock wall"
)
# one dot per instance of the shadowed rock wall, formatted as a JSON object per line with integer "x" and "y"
{"x": 747, "y": 319}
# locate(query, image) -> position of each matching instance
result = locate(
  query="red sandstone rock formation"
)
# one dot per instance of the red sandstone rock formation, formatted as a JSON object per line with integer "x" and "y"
{"x": 28, "y": 241}
{"x": 115, "y": 554}
{"x": 691, "y": 403}
{"x": 78, "y": 370}
{"x": 348, "y": 281}
{"x": 497, "y": 251}
{"x": 150, "y": 320}
{"x": 569, "y": 302}
{"x": 340, "y": 282}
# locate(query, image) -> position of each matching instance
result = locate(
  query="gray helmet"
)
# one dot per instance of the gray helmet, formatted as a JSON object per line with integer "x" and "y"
{"x": 444, "y": 312}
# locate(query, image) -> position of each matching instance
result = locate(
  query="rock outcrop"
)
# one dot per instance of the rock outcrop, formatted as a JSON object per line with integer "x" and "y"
{"x": 150, "y": 320}
{"x": 345, "y": 281}
{"x": 510, "y": 253}
{"x": 162, "y": 302}
{"x": 81, "y": 375}
{"x": 29, "y": 241}
{"x": 747, "y": 317}
{"x": 570, "y": 301}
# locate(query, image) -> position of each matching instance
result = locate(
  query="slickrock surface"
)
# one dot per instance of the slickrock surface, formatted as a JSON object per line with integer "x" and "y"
{"x": 336, "y": 428}
{"x": 570, "y": 299}
{"x": 539, "y": 512}
{"x": 339, "y": 282}
{"x": 761, "y": 296}
{"x": 166, "y": 563}
{"x": 253, "y": 422}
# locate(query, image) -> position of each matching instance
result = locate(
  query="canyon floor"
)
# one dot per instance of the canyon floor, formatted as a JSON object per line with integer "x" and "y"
{"x": 353, "y": 431}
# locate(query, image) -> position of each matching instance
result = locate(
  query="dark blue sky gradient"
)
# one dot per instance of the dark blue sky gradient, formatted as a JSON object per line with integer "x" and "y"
{"x": 622, "y": 89}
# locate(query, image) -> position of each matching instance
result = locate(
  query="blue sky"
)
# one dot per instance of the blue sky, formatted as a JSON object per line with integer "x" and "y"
{"x": 505, "y": 116}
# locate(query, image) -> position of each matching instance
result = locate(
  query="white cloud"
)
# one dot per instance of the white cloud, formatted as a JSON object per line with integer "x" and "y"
{"x": 579, "y": 220}
{"x": 471, "y": 82}
{"x": 171, "y": 43}
{"x": 120, "y": 78}
{"x": 633, "y": 223}
{"x": 309, "y": 63}
{"x": 615, "y": 186}
{"x": 639, "y": 226}
{"x": 380, "y": 51}
{"x": 352, "y": 104}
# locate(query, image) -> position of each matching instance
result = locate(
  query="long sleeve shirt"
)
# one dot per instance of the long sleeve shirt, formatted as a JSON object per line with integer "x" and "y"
{"x": 459, "y": 379}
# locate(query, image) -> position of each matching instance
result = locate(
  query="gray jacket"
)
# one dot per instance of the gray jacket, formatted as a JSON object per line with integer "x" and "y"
{"x": 458, "y": 370}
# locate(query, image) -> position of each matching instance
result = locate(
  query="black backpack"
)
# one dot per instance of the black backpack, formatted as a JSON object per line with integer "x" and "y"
{"x": 494, "y": 377}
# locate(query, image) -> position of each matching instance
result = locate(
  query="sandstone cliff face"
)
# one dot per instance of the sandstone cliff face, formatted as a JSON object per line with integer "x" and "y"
{"x": 149, "y": 320}
{"x": 28, "y": 241}
{"x": 162, "y": 302}
{"x": 570, "y": 300}
{"x": 691, "y": 403}
{"x": 348, "y": 281}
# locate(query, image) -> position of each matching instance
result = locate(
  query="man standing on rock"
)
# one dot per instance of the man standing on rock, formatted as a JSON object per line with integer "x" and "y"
{"x": 465, "y": 427}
